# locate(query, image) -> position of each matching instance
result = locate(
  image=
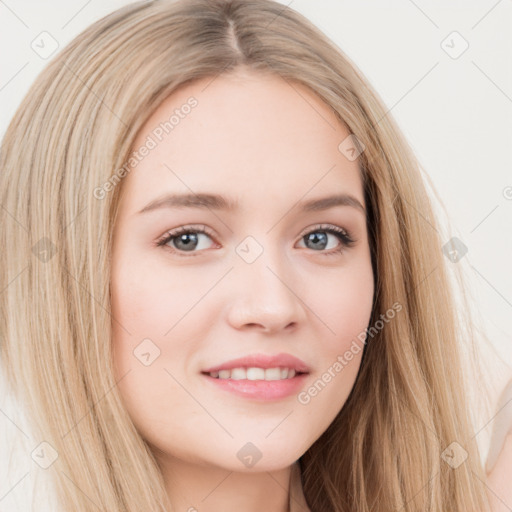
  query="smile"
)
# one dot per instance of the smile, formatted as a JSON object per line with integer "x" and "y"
{"x": 253, "y": 383}
{"x": 254, "y": 373}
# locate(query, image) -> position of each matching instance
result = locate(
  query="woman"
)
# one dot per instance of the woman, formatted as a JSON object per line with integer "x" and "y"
{"x": 188, "y": 341}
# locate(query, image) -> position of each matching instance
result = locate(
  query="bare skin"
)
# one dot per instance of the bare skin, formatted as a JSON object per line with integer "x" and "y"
{"x": 499, "y": 479}
{"x": 256, "y": 140}
{"x": 499, "y": 459}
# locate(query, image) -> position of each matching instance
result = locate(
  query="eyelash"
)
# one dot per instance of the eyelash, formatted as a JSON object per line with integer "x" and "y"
{"x": 344, "y": 236}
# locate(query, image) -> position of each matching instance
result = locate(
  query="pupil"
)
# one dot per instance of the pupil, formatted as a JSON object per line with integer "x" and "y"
{"x": 185, "y": 239}
{"x": 190, "y": 239}
{"x": 315, "y": 238}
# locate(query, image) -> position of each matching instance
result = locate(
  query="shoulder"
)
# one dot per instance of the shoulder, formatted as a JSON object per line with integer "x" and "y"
{"x": 499, "y": 459}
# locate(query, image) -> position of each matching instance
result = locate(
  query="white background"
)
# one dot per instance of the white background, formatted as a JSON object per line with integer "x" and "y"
{"x": 455, "y": 112}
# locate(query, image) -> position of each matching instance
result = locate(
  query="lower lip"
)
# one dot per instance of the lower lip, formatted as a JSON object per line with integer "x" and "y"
{"x": 261, "y": 389}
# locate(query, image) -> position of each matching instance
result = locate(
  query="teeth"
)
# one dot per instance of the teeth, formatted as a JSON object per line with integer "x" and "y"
{"x": 270, "y": 374}
{"x": 238, "y": 374}
{"x": 255, "y": 374}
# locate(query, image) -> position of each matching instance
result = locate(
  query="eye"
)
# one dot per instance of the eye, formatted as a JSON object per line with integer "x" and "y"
{"x": 185, "y": 239}
{"x": 318, "y": 238}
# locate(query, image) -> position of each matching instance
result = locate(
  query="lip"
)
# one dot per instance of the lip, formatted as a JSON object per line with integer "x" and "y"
{"x": 261, "y": 390}
{"x": 282, "y": 360}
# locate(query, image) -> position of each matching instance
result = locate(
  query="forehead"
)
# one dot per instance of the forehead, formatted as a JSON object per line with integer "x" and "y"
{"x": 248, "y": 136}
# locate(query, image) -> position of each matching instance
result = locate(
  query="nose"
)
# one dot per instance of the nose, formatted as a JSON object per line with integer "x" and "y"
{"x": 267, "y": 296}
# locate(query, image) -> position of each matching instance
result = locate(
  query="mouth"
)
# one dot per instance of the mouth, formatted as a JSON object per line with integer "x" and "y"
{"x": 251, "y": 366}
{"x": 257, "y": 384}
{"x": 255, "y": 374}
{"x": 259, "y": 377}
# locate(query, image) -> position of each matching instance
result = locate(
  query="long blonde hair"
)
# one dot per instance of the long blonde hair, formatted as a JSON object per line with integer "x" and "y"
{"x": 72, "y": 134}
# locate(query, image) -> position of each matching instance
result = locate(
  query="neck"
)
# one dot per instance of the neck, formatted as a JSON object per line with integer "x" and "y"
{"x": 198, "y": 488}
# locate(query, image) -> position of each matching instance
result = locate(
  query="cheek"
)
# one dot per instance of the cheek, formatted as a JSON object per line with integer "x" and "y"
{"x": 343, "y": 305}
{"x": 153, "y": 324}
{"x": 177, "y": 309}
{"x": 149, "y": 298}
{"x": 343, "y": 311}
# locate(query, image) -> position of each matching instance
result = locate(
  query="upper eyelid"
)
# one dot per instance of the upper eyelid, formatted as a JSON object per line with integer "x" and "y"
{"x": 203, "y": 229}
{"x": 320, "y": 226}
{"x": 207, "y": 230}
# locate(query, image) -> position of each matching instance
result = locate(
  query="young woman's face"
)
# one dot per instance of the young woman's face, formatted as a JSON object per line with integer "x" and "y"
{"x": 265, "y": 278}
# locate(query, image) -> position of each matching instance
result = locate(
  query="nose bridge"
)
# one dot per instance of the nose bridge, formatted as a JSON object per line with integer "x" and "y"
{"x": 265, "y": 285}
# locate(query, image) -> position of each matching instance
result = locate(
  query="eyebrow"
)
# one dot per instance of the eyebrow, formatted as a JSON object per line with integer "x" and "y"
{"x": 218, "y": 202}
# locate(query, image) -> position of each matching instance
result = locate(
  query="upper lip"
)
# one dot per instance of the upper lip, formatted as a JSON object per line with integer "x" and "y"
{"x": 262, "y": 361}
